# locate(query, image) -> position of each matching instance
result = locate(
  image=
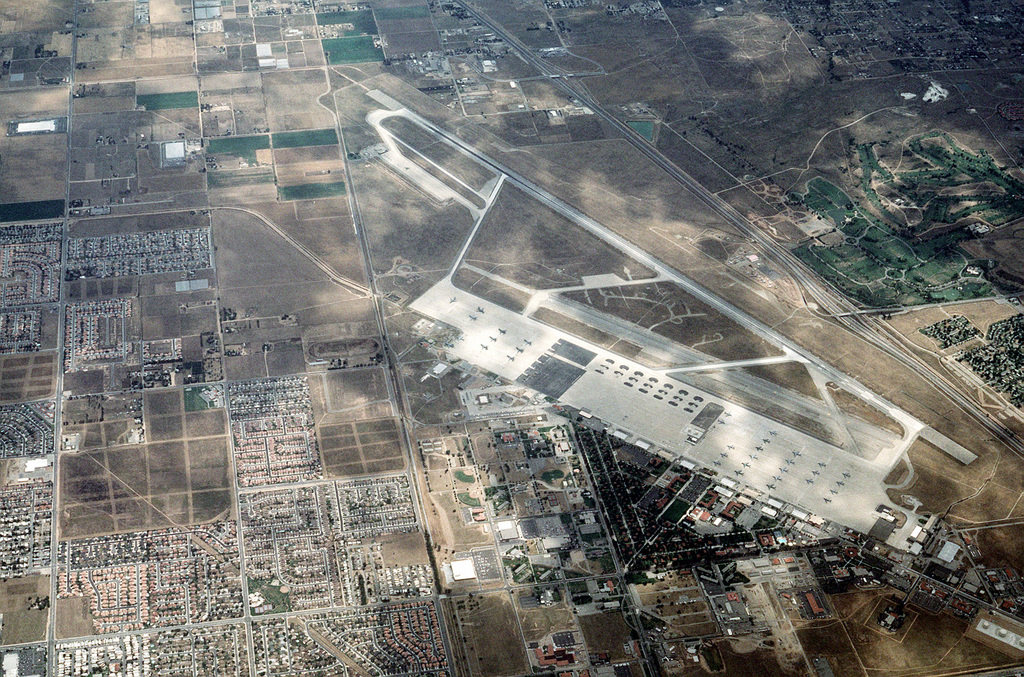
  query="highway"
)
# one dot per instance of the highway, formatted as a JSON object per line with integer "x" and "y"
{"x": 834, "y": 305}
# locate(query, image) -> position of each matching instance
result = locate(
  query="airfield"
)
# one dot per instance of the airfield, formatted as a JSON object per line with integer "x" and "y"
{"x": 742, "y": 445}
{"x": 654, "y": 407}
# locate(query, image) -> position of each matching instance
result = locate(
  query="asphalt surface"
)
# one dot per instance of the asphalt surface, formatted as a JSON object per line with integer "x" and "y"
{"x": 833, "y": 304}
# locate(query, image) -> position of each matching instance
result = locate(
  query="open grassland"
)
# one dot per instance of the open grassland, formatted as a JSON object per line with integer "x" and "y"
{"x": 668, "y": 310}
{"x": 531, "y": 244}
{"x": 932, "y": 643}
{"x": 487, "y": 624}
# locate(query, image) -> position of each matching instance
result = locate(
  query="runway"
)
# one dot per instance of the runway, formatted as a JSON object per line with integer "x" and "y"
{"x": 656, "y": 405}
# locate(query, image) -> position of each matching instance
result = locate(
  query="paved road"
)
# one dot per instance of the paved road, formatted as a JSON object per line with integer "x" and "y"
{"x": 832, "y": 303}
{"x": 665, "y": 271}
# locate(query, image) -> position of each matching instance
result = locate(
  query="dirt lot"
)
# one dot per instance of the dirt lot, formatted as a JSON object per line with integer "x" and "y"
{"x": 343, "y": 395}
{"x": 324, "y": 226}
{"x": 934, "y": 643}
{"x": 144, "y": 486}
{"x": 1000, "y": 546}
{"x": 747, "y": 660}
{"x": 291, "y": 98}
{"x": 361, "y": 448}
{"x": 404, "y": 549}
{"x": 34, "y": 167}
{"x": 263, "y": 278}
{"x": 492, "y": 641}
{"x": 538, "y": 623}
{"x": 163, "y": 319}
{"x": 27, "y": 377}
{"x": 236, "y": 101}
{"x": 142, "y": 223}
{"x": 74, "y": 617}
{"x": 402, "y": 226}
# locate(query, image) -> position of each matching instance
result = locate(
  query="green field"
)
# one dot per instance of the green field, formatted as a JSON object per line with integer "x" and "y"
{"x": 168, "y": 101}
{"x": 235, "y": 179}
{"x": 464, "y": 477}
{"x": 237, "y": 145}
{"x": 312, "y": 137}
{"x": 194, "y": 400}
{"x": 399, "y": 13}
{"x": 361, "y": 20}
{"x": 676, "y": 511}
{"x": 351, "y": 50}
{"x": 883, "y": 262}
{"x": 551, "y": 476}
{"x": 280, "y": 601}
{"x": 466, "y": 499}
{"x": 31, "y": 211}
{"x": 311, "y": 191}
{"x": 643, "y": 127}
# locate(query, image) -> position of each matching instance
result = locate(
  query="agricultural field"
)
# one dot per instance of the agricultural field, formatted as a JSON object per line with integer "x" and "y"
{"x": 31, "y": 211}
{"x": 238, "y": 145}
{"x": 359, "y": 49}
{"x": 311, "y": 191}
{"x": 361, "y": 22}
{"x": 314, "y": 137}
{"x": 167, "y": 101}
